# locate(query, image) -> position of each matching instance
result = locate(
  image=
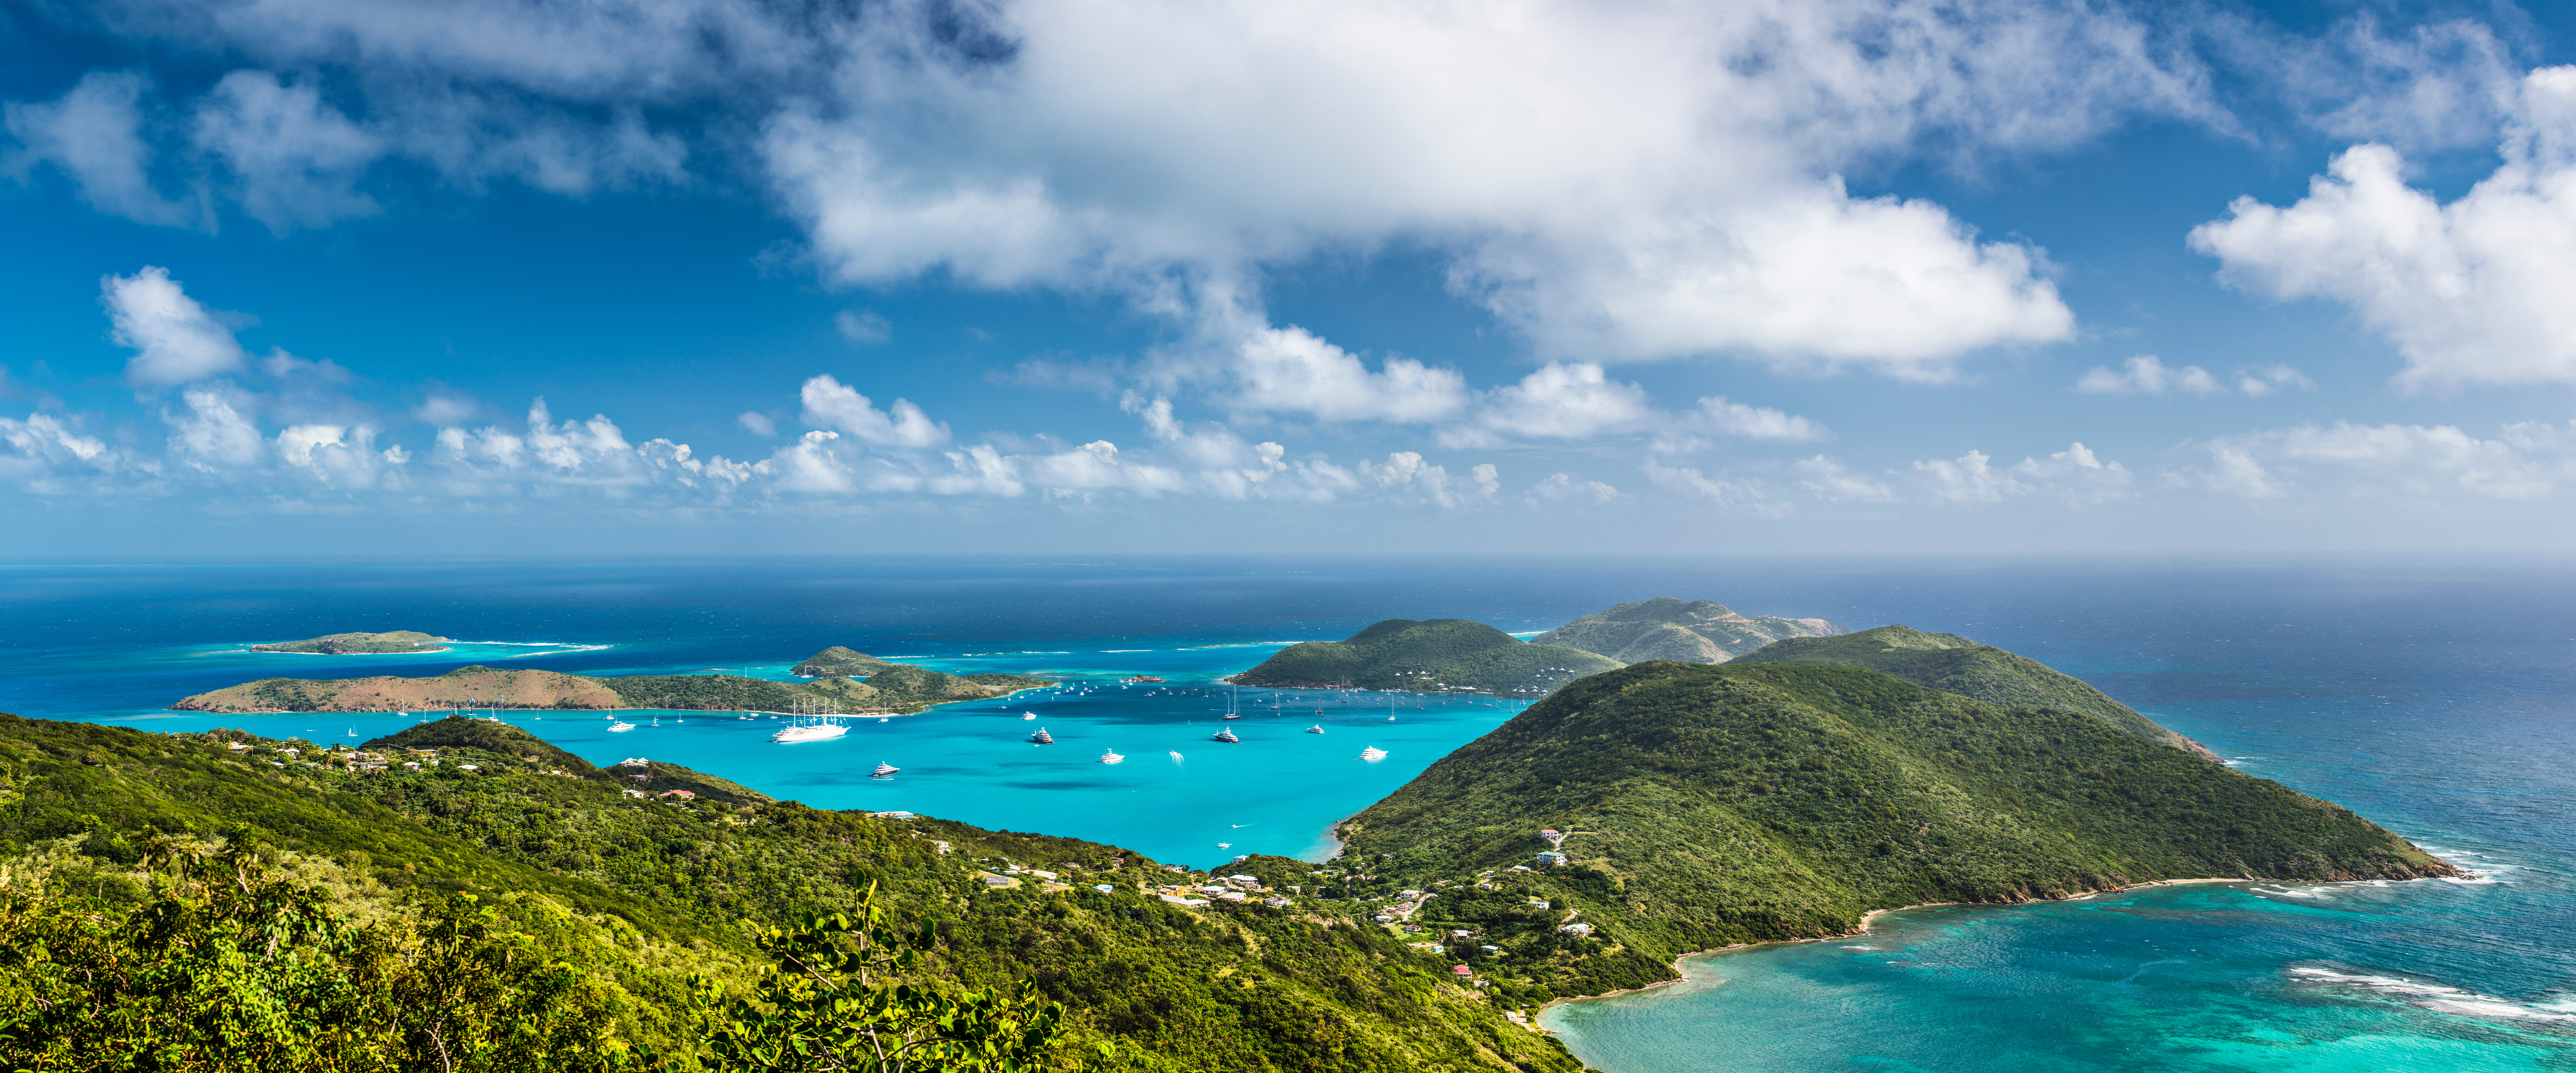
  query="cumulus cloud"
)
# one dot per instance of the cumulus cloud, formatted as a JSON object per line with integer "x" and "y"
{"x": 175, "y": 340}
{"x": 832, "y": 404}
{"x": 2470, "y": 292}
{"x": 756, "y": 423}
{"x": 1726, "y": 418}
{"x": 1292, "y": 370}
{"x": 44, "y": 452}
{"x": 1690, "y": 481}
{"x": 445, "y": 407}
{"x": 1561, "y": 487}
{"x": 93, "y": 135}
{"x": 2074, "y": 475}
{"x": 1830, "y": 480}
{"x": 1563, "y": 401}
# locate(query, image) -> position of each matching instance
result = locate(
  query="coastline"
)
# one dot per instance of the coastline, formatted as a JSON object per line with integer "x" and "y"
{"x": 1868, "y": 918}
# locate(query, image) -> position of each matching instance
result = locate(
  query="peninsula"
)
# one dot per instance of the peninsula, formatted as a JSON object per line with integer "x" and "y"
{"x": 1671, "y": 807}
{"x": 361, "y": 644}
{"x": 1444, "y": 655}
{"x": 900, "y": 688}
{"x": 1700, "y": 631}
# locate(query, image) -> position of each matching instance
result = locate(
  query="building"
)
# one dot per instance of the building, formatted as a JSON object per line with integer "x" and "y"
{"x": 1550, "y": 860}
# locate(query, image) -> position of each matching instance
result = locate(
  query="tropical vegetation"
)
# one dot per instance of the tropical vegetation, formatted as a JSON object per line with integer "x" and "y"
{"x": 1438, "y": 655}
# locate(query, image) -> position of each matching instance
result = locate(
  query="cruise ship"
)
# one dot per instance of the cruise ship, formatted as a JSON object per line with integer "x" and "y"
{"x": 809, "y": 732}
{"x": 1225, "y": 735}
{"x": 1042, "y": 737}
{"x": 884, "y": 770}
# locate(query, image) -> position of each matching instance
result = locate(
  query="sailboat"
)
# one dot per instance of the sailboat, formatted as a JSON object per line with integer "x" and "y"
{"x": 884, "y": 770}
{"x": 1316, "y": 729}
{"x": 1225, "y": 735}
{"x": 1110, "y": 756}
{"x": 1041, "y": 737}
{"x": 813, "y": 723}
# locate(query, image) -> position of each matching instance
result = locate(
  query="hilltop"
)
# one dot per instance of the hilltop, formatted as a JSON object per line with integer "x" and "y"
{"x": 351, "y": 644}
{"x": 1438, "y": 655}
{"x": 1710, "y": 805}
{"x": 1700, "y": 631}
{"x": 842, "y": 662}
{"x": 1955, "y": 664}
{"x": 625, "y": 901}
{"x": 903, "y": 689}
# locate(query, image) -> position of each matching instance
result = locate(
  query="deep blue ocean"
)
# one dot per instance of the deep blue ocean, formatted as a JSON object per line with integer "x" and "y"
{"x": 2437, "y": 698}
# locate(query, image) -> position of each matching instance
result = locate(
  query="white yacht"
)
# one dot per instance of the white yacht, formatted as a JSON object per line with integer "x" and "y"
{"x": 1042, "y": 737}
{"x": 884, "y": 770}
{"x": 1316, "y": 729}
{"x": 1110, "y": 756}
{"x": 1372, "y": 754}
{"x": 1026, "y": 716}
{"x": 1225, "y": 735}
{"x": 620, "y": 726}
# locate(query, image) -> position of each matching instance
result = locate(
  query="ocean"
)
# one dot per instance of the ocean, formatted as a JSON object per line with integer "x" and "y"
{"x": 2433, "y": 697}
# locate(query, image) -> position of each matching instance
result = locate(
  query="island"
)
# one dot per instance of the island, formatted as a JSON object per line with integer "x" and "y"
{"x": 361, "y": 644}
{"x": 899, "y": 688}
{"x": 1699, "y": 631}
{"x": 1955, "y": 664}
{"x": 1444, "y": 655}
{"x": 1670, "y": 807}
{"x": 842, "y": 662}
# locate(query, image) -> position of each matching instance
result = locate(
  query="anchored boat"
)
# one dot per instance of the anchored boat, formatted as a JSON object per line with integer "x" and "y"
{"x": 1225, "y": 735}
{"x": 1110, "y": 756}
{"x": 1041, "y": 737}
{"x": 1372, "y": 754}
{"x": 1316, "y": 729}
{"x": 620, "y": 726}
{"x": 884, "y": 770}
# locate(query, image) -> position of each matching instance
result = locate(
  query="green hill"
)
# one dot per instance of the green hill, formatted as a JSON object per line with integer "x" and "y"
{"x": 844, "y": 662}
{"x": 491, "y": 736}
{"x": 347, "y": 644}
{"x": 619, "y": 902}
{"x": 1439, "y": 655}
{"x": 1955, "y": 664}
{"x": 1710, "y": 805}
{"x": 899, "y": 689}
{"x": 1701, "y": 631}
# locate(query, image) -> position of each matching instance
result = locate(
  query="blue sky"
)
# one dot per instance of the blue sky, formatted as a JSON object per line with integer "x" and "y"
{"x": 717, "y": 275}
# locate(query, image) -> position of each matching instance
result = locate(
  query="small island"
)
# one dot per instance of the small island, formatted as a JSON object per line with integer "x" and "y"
{"x": 896, "y": 688}
{"x": 361, "y": 644}
{"x": 1444, "y": 655}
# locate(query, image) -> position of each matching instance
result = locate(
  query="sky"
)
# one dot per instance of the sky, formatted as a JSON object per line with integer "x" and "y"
{"x": 759, "y": 276}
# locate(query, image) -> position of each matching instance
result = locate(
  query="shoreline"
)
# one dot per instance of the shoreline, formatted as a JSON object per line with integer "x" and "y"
{"x": 1868, "y": 918}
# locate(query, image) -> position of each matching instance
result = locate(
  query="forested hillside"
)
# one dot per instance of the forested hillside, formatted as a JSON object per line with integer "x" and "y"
{"x": 597, "y": 907}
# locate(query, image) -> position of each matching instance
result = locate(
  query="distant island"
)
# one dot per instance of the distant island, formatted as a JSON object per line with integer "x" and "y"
{"x": 1955, "y": 664}
{"x": 840, "y": 661}
{"x": 897, "y": 688}
{"x": 1669, "y": 807}
{"x": 1444, "y": 655}
{"x": 1700, "y": 631}
{"x": 361, "y": 644}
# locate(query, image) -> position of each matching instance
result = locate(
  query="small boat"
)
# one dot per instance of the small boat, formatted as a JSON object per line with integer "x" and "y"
{"x": 884, "y": 770}
{"x": 1316, "y": 729}
{"x": 1225, "y": 735}
{"x": 1026, "y": 716}
{"x": 1229, "y": 717}
{"x": 1372, "y": 754}
{"x": 1041, "y": 737}
{"x": 620, "y": 726}
{"x": 883, "y": 719}
{"x": 1110, "y": 756}
{"x": 1176, "y": 757}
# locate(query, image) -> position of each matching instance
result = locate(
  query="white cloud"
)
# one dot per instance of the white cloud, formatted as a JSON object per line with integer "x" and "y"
{"x": 214, "y": 436}
{"x": 1292, "y": 370}
{"x": 2414, "y": 462}
{"x": 1405, "y": 474}
{"x": 1717, "y": 414}
{"x": 341, "y": 457}
{"x": 2074, "y": 475}
{"x": 1721, "y": 492}
{"x": 1565, "y": 401}
{"x": 756, "y": 423}
{"x": 1566, "y": 486}
{"x": 832, "y": 404}
{"x": 295, "y": 161}
{"x": 2268, "y": 379}
{"x": 866, "y": 327}
{"x": 93, "y": 135}
{"x": 1830, "y": 480}
{"x": 2147, "y": 375}
{"x": 175, "y": 339}
{"x": 43, "y": 450}
{"x": 444, "y": 408}
{"x": 2471, "y": 292}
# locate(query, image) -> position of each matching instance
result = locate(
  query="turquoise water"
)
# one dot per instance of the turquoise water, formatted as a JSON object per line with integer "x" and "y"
{"x": 2437, "y": 699}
